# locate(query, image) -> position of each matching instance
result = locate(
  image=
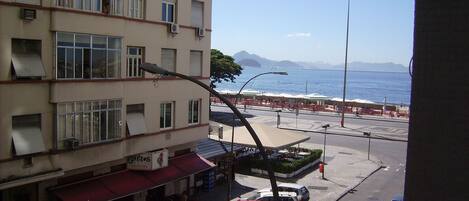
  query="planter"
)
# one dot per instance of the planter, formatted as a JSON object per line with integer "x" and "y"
{"x": 286, "y": 175}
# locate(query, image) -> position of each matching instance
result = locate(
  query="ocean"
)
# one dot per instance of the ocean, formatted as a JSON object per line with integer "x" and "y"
{"x": 361, "y": 86}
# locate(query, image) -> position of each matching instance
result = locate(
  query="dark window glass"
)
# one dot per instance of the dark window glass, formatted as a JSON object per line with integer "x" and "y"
{"x": 65, "y": 39}
{"x": 163, "y": 11}
{"x": 103, "y": 127}
{"x": 168, "y": 120}
{"x": 61, "y": 62}
{"x": 69, "y": 63}
{"x": 78, "y": 63}
{"x": 99, "y": 63}
{"x": 170, "y": 13}
{"x": 114, "y": 43}
{"x": 82, "y": 40}
{"x": 113, "y": 58}
{"x": 99, "y": 42}
{"x": 86, "y": 63}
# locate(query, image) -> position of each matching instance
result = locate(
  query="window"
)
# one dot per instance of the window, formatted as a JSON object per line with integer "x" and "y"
{"x": 87, "y": 5}
{"x": 168, "y": 11}
{"x": 27, "y": 135}
{"x": 134, "y": 59}
{"x": 196, "y": 63}
{"x": 197, "y": 13}
{"x": 194, "y": 111}
{"x": 166, "y": 115}
{"x": 112, "y": 7}
{"x": 26, "y": 59}
{"x": 65, "y": 3}
{"x": 168, "y": 59}
{"x": 83, "y": 56}
{"x": 136, "y": 119}
{"x": 88, "y": 122}
{"x": 136, "y": 8}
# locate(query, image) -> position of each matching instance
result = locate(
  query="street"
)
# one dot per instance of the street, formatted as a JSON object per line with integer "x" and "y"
{"x": 382, "y": 185}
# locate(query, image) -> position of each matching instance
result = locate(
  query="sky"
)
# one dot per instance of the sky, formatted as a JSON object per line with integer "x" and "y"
{"x": 315, "y": 30}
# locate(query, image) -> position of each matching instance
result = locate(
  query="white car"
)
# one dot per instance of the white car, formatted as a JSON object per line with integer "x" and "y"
{"x": 268, "y": 196}
{"x": 301, "y": 191}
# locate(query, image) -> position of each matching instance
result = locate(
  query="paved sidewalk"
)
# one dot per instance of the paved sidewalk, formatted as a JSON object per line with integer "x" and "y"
{"x": 346, "y": 168}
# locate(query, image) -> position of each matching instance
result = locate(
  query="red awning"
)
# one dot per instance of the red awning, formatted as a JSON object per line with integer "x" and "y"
{"x": 129, "y": 182}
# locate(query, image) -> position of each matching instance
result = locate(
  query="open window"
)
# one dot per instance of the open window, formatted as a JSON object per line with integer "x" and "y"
{"x": 26, "y": 59}
{"x": 27, "y": 135}
{"x": 136, "y": 119}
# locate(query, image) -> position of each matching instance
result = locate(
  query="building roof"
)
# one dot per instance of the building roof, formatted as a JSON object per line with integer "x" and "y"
{"x": 209, "y": 148}
{"x": 271, "y": 138}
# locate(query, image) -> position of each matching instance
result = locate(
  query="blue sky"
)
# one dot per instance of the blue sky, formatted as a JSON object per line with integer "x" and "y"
{"x": 314, "y": 30}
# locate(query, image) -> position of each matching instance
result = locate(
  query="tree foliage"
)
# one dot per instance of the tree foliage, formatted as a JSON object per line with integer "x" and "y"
{"x": 222, "y": 68}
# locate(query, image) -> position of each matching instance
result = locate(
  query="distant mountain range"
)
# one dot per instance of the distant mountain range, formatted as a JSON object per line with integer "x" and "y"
{"x": 244, "y": 58}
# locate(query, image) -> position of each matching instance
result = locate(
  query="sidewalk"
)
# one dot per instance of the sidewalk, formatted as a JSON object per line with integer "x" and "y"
{"x": 346, "y": 168}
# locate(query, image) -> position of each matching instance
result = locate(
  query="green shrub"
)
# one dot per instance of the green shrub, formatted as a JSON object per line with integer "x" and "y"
{"x": 283, "y": 166}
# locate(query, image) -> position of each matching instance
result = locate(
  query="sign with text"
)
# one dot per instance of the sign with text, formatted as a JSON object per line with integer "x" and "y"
{"x": 148, "y": 161}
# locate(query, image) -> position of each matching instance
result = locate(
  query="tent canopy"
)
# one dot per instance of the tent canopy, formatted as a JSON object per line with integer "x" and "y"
{"x": 271, "y": 138}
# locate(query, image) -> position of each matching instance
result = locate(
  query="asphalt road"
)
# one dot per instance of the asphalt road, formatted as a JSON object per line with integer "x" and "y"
{"x": 382, "y": 185}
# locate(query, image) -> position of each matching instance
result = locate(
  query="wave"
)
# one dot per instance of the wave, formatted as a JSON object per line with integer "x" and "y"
{"x": 357, "y": 100}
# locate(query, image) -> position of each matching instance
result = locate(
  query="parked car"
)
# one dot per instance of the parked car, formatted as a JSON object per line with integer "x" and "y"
{"x": 301, "y": 191}
{"x": 268, "y": 196}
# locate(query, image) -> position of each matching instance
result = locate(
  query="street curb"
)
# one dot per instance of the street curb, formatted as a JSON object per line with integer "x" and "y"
{"x": 351, "y": 188}
{"x": 327, "y": 115}
{"x": 342, "y": 134}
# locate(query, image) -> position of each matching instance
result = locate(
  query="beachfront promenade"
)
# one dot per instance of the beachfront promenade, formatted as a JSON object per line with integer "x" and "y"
{"x": 383, "y": 184}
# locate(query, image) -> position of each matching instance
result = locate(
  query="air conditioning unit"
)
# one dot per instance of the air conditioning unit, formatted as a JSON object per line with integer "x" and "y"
{"x": 28, "y": 14}
{"x": 71, "y": 143}
{"x": 200, "y": 32}
{"x": 173, "y": 28}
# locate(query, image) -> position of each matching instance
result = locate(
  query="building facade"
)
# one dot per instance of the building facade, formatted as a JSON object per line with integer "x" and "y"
{"x": 75, "y": 109}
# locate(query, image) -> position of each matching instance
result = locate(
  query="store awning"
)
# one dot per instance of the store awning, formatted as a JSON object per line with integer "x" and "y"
{"x": 128, "y": 182}
{"x": 271, "y": 138}
{"x": 209, "y": 148}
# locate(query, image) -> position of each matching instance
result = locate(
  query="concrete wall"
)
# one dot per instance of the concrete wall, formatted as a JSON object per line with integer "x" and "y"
{"x": 438, "y": 147}
{"x": 18, "y": 98}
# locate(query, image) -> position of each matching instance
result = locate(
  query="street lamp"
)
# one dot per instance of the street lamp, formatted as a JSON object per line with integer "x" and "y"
{"x": 233, "y": 125}
{"x": 155, "y": 69}
{"x": 278, "y": 117}
{"x": 345, "y": 68}
{"x": 369, "y": 142}
{"x": 324, "y": 151}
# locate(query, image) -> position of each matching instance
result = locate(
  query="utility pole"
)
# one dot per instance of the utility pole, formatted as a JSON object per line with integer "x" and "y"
{"x": 324, "y": 150}
{"x": 345, "y": 68}
{"x": 369, "y": 142}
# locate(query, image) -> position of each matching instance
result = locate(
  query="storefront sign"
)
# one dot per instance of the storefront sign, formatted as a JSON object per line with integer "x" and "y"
{"x": 148, "y": 161}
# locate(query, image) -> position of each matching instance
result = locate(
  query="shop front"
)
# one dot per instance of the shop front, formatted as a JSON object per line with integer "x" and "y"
{"x": 149, "y": 176}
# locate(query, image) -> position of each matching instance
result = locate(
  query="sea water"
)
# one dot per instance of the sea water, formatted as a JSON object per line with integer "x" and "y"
{"x": 361, "y": 86}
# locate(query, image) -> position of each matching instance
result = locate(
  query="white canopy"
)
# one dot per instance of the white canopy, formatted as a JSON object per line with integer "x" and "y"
{"x": 271, "y": 138}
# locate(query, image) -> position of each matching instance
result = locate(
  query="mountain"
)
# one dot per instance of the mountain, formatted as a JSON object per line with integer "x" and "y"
{"x": 249, "y": 62}
{"x": 247, "y": 59}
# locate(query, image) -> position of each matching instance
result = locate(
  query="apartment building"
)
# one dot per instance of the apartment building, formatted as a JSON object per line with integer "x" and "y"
{"x": 79, "y": 120}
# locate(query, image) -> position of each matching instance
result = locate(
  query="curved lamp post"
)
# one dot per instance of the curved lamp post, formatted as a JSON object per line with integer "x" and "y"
{"x": 230, "y": 177}
{"x": 155, "y": 69}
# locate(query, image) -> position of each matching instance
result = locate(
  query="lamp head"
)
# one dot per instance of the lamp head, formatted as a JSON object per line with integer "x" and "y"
{"x": 280, "y": 73}
{"x": 153, "y": 68}
{"x": 367, "y": 133}
{"x": 326, "y": 126}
